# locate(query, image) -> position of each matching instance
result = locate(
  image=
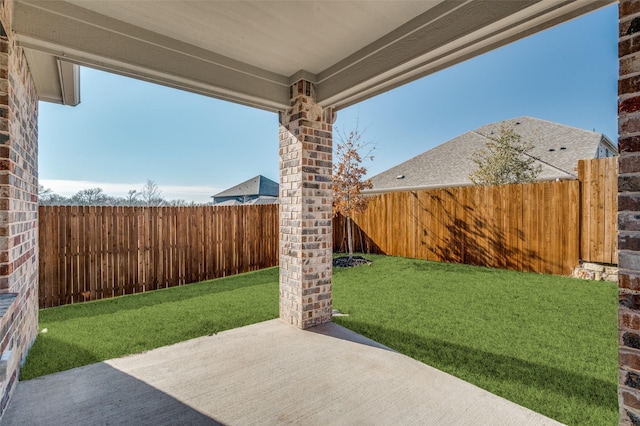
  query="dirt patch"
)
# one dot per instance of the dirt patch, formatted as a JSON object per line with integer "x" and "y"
{"x": 344, "y": 262}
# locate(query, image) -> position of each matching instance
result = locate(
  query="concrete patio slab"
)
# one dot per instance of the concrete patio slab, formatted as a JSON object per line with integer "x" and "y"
{"x": 264, "y": 374}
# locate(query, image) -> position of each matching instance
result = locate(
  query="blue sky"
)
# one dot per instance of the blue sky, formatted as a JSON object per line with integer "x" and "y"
{"x": 126, "y": 131}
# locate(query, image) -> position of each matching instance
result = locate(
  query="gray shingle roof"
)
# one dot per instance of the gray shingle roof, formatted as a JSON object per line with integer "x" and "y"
{"x": 258, "y": 185}
{"x": 557, "y": 148}
{"x": 264, "y": 200}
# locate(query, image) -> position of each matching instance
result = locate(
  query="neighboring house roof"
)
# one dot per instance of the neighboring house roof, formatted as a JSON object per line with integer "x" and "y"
{"x": 231, "y": 202}
{"x": 264, "y": 200}
{"x": 257, "y": 190}
{"x": 254, "y": 201}
{"x": 557, "y": 149}
{"x": 258, "y": 185}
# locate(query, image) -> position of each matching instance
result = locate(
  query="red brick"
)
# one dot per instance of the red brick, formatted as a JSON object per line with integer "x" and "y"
{"x": 629, "y": 26}
{"x": 628, "y": 417}
{"x": 623, "y": 28}
{"x": 627, "y": 280}
{"x": 629, "y": 358}
{"x": 4, "y": 282}
{"x": 628, "y": 221}
{"x": 628, "y": 378}
{"x": 626, "y": 124}
{"x": 629, "y": 105}
{"x": 629, "y": 183}
{"x": 628, "y": 202}
{"x": 629, "y": 242}
{"x": 630, "y": 64}
{"x": 628, "y": 7}
{"x": 629, "y": 85}
{"x": 628, "y": 319}
{"x": 628, "y": 46}
{"x": 629, "y": 259}
{"x": 629, "y": 144}
{"x": 629, "y": 339}
{"x": 628, "y": 163}
{"x": 629, "y": 300}
{"x": 630, "y": 398}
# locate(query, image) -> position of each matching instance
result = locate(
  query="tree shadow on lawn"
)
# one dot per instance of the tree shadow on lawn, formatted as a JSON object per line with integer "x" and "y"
{"x": 420, "y": 265}
{"x": 158, "y": 297}
{"x": 466, "y": 362}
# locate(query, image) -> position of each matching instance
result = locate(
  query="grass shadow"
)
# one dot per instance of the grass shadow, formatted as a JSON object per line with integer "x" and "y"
{"x": 157, "y": 297}
{"x": 48, "y": 357}
{"x": 466, "y": 363}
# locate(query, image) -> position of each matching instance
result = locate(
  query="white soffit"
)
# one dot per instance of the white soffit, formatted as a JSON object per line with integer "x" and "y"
{"x": 251, "y": 51}
{"x": 56, "y": 81}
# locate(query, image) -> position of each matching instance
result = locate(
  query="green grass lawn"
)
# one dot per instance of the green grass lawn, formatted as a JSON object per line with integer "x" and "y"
{"x": 89, "y": 332}
{"x": 548, "y": 343}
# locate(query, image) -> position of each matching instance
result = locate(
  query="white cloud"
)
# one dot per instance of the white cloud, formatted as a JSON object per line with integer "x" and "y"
{"x": 197, "y": 193}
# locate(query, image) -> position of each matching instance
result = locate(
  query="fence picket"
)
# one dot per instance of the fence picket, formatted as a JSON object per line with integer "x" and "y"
{"x": 109, "y": 251}
{"x": 542, "y": 227}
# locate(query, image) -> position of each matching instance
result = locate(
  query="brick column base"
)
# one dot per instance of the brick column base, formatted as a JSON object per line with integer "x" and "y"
{"x": 305, "y": 209}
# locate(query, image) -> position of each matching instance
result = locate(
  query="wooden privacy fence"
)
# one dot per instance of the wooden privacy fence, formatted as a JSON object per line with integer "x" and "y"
{"x": 89, "y": 253}
{"x": 599, "y": 210}
{"x": 543, "y": 227}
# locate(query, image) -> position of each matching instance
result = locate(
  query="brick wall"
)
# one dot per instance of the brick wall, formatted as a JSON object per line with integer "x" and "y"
{"x": 18, "y": 208}
{"x": 629, "y": 212}
{"x": 305, "y": 209}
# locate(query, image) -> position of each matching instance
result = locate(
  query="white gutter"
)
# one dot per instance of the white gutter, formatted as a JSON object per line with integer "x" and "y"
{"x": 69, "y": 75}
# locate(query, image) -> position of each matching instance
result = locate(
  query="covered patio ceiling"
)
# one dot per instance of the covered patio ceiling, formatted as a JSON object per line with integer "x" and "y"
{"x": 250, "y": 52}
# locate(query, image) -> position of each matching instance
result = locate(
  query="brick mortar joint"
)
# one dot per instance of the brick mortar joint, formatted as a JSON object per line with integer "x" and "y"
{"x": 623, "y": 387}
{"x": 629, "y": 55}
{"x": 630, "y": 272}
{"x": 625, "y": 329}
{"x": 631, "y": 351}
{"x": 633, "y": 114}
{"x": 630, "y": 75}
{"x": 625, "y": 38}
{"x": 628, "y": 135}
{"x": 627, "y": 292}
{"x": 630, "y": 95}
{"x": 630, "y": 330}
{"x": 626, "y": 251}
{"x": 628, "y": 155}
{"x": 629, "y": 233}
{"x": 627, "y": 18}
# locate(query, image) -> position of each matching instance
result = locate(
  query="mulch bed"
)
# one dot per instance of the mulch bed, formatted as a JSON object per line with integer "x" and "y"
{"x": 344, "y": 262}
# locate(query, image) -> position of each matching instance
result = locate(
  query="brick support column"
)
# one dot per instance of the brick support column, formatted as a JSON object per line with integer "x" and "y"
{"x": 18, "y": 208}
{"x": 629, "y": 213}
{"x": 305, "y": 209}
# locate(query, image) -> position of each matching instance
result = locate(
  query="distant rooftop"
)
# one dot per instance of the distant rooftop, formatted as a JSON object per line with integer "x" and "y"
{"x": 557, "y": 149}
{"x": 257, "y": 190}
